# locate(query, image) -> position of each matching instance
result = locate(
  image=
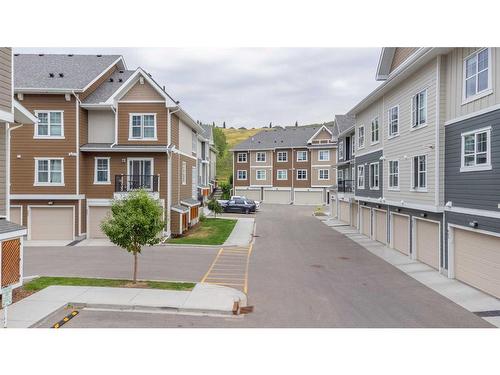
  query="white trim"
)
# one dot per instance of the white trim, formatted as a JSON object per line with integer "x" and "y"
{"x": 473, "y": 211}
{"x": 357, "y": 139}
{"x": 103, "y": 202}
{"x": 374, "y": 223}
{"x": 319, "y": 174}
{"x": 108, "y": 182}
{"x": 389, "y": 187}
{"x": 361, "y": 219}
{"x": 297, "y": 175}
{"x": 261, "y": 166}
{"x": 152, "y": 160}
{"x": 141, "y": 101}
{"x": 437, "y": 130}
{"x": 309, "y": 189}
{"x": 358, "y": 186}
{"x": 391, "y": 230}
{"x": 389, "y": 122}
{"x": 238, "y": 157}
{"x": 257, "y": 174}
{"x": 278, "y": 156}
{"x": 16, "y": 206}
{"x": 473, "y": 114}
{"x": 50, "y": 206}
{"x": 414, "y": 188}
{"x": 372, "y": 142}
{"x": 7, "y": 172}
{"x": 370, "y": 152}
{"x": 257, "y": 156}
{"x": 104, "y": 72}
{"x": 47, "y": 196}
{"x": 319, "y": 155}
{"x": 319, "y": 131}
{"x": 485, "y": 92}
{"x": 176, "y": 151}
{"x": 141, "y": 115}
{"x": 238, "y": 175}
{"x": 48, "y": 136}
{"x": 136, "y": 148}
{"x": 302, "y": 161}
{"x": 275, "y": 188}
{"x": 36, "y": 183}
{"x": 6, "y": 116}
{"x": 476, "y": 167}
{"x": 414, "y": 127}
{"x": 282, "y": 170}
{"x": 415, "y": 206}
{"x": 370, "y": 176}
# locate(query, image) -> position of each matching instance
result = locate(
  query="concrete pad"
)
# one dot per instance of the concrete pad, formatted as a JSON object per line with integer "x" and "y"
{"x": 46, "y": 243}
{"x": 58, "y": 293}
{"x": 214, "y": 297}
{"x": 242, "y": 233}
{"x": 158, "y": 298}
{"x": 95, "y": 242}
{"x": 103, "y": 295}
{"x": 32, "y": 311}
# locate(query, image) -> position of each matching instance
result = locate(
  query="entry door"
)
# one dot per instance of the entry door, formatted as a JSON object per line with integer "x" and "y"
{"x": 140, "y": 174}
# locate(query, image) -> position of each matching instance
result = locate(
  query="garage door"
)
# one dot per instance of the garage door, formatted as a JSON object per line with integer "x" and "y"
{"x": 96, "y": 215}
{"x": 366, "y": 221}
{"x": 427, "y": 242}
{"x": 250, "y": 194}
{"x": 401, "y": 233}
{"x": 354, "y": 215}
{"x": 380, "y": 219}
{"x": 344, "y": 211}
{"x": 15, "y": 215}
{"x": 477, "y": 260}
{"x": 308, "y": 197}
{"x": 51, "y": 223}
{"x": 277, "y": 196}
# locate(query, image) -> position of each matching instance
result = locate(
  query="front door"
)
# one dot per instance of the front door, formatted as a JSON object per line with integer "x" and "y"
{"x": 140, "y": 174}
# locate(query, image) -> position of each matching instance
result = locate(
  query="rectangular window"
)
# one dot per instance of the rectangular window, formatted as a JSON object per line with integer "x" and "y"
{"x": 282, "y": 156}
{"x": 301, "y": 174}
{"x": 476, "y": 150}
{"x": 323, "y": 174}
{"x": 375, "y": 135}
{"x": 49, "y": 172}
{"x": 361, "y": 137}
{"x": 242, "y": 175}
{"x": 282, "y": 174}
{"x": 419, "y": 109}
{"x": 49, "y": 125}
{"x": 393, "y": 121}
{"x": 194, "y": 143}
{"x": 242, "y": 157}
{"x": 393, "y": 174}
{"x": 301, "y": 155}
{"x": 361, "y": 176}
{"x": 340, "y": 175}
{"x": 260, "y": 157}
{"x": 324, "y": 155}
{"x": 142, "y": 126}
{"x": 374, "y": 176}
{"x": 184, "y": 173}
{"x": 353, "y": 145}
{"x": 341, "y": 149}
{"x": 102, "y": 172}
{"x": 477, "y": 73}
{"x": 419, "y": 172}
{"x": 260, "y": 174}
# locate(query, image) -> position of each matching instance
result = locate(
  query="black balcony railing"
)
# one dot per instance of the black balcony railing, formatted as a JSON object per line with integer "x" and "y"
{"x": 345, "y": 186}
{"x": 125, "y": 183}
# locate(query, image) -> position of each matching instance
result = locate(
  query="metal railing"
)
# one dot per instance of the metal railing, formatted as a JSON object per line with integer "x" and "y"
{"x": 345, "y": 186}
{"x": 126, "y": 183}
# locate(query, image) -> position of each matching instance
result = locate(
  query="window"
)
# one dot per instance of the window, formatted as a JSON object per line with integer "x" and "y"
{"x": 341, "y": 149}
{"x": 477, "y": 73}
{"x": 184, "y": 173}
{"x": 282, "y": 174}
{"x": 324, "y": 155}
{"x": 420, "y": 172}
{"x": 194, "y": 143}
{"x": 301, "y": 155}
{"x": 301, "y": 174}
{"x": 282, "y": 156}
{"x": 394, "y": 174}
{"x": 393, "y": 121}
{"x": 242, "y": 175}
{"x": 323, "y": 174}
{"x": 340, "y": 175}
{"x": 260, "y": 157}
{"x": 361, "y": 176}
{"x": 419, "y": 109}
{"x": 49, "y": 172}
{"x": 353, "y": 145}
{"x": 260, "y": 174}
{"x": 143, "y": 126}
{"x": 242, "y": 157}
{"x": 49, "y": 125}
{"x": 101, "y": 171}
{"x": 476, "y": 150}
{"x": 375, "y": 130}
{"x": 374, "y": 176}
{"x": 361, "y": 137}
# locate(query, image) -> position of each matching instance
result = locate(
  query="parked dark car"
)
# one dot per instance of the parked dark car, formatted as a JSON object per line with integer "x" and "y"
{"x": 240, "y": 205}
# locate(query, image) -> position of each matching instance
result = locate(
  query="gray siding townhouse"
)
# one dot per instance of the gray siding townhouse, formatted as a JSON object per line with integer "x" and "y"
{"x": 206, "y": 161}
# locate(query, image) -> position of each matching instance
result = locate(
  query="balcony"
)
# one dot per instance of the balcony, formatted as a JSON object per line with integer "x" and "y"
{"x": 345, "y": 186}
{"x": 128, "y": 183}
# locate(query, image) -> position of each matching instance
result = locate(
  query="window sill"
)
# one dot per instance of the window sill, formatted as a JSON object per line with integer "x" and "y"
{"x": 413, "y": 128}
{"x": 49, "y": 137}
{"x": 393, "y": 189}
{"x": 47, "y": 184}
{"x": 477, "y": 96}
{"x": 419, "y": 190}
{"x": 143, "y": 139}
{"x": 102, "y": 183}
{"x": 374, "y": 143}
{"x": 393, "y": 136}
{"x": 476, "y": 168}
{"x": 374, "y": 188}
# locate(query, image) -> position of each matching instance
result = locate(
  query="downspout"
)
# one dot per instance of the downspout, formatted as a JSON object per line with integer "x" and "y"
{"x": 7, "y": 206}
{"x": 170, "y": 149}
{"x": 77, "y": 105}
{"x": 116, "y": 126}
{"x": 293, "y": 178}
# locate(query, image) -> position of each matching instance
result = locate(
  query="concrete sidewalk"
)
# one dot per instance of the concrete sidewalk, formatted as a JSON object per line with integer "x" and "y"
{"x": 242, "y": 233}
{"x": 203, "y": 299}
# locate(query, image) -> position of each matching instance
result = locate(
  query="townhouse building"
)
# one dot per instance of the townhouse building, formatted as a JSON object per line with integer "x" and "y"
{"x": 102, "y": 131}
{"x": 286, "y": 165}
{"x": 206, "y": 162}
{"x": 426, "y": 147}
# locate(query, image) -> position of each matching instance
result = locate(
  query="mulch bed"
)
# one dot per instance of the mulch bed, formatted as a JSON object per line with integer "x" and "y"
{"x": 19, "y": 293}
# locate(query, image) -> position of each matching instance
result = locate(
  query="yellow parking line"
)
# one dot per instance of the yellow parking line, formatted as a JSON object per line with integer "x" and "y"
{"x": 245, "y": 288}
{"x": 212, "y": 266}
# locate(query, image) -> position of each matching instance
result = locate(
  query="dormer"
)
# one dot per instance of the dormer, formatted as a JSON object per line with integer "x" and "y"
{"x": 391, "y": 58}
{"x": 322, "y": 136}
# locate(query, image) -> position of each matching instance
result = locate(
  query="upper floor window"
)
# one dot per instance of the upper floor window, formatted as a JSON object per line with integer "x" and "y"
{"x": 260, "y": 157}
{"x": 324, "y": 155}
{"x": 242, "y": 157}
{"x": 50, "y": 124}
{"x": 242, "y": 175}
{"x": 353, "y": 145}
{"x": 476, "y": 150}
{"x": 341, "y": 149}
{"x": 282, "y": 156}
{"x": 323, "y": 174}
{"x": 477, "y": 74}
{"x": 419, "y": 172}
{"x": 142, "y": 126}
{"x": 282, "y": 174}
{"x": 194, "y": 143}
{"x": 361, "y": 176}
{"x": 101, "y": 171}
{"x": 419, "y": 109}
{"x": 361, "y": 137}
{"x": 301, "y": 155}
{"x": 184, "y": 173}
{"x": 393, "y": 174}
{"x": 301, "y": 174}
{"x": 260, "y": 174}
{"x": 393, "y": 121}
{"x": 374, "y": 176}
{"x": 375, "y": 133}
{"x": 49, "y": 172}
{"x": 340, "y": 175}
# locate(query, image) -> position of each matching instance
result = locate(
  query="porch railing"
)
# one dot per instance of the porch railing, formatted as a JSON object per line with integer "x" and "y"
{"x": 127, "y": 183}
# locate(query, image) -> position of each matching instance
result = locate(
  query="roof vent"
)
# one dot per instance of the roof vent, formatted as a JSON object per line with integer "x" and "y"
{"x": 61, "y": 75}
{"x": 111, "y": 79}
{"x": 70, "y": 55}
{"x": 121, "y": 72}
{"x": 120, "y": 80}
{"x": 99, "y": 55}
{"x": 51, "y": 75}
{"x": 41, "y": 54}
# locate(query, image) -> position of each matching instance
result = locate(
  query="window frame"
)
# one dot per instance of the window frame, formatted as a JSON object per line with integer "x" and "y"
{"x": 257, "y": 175}
{"x": 323, "y": 178}
{"x": 184, "y": 173}
{"x": 319, "y": 155}
{"x": 479, "y": 94}
{"x": 36, "y": 135}
{"x": 390, "y": 134}
{"x": 359, "y": 138}
{"x": 238, "y": 175}
{"x": 340, "y": 173}
{"x": 278, "y": 174}
{"x": 240, "y": 154}
{"x": 142, "y": 138}
{"x": 297, "y": 175}
{"x": 415, "y": 185}
{"x": 257, "y": 156}
{"x": 414, "y": 126}
{"x": 341, "y": 150}
{"x": 390, "y": 174}
{"x": 375, "y": 120}
{"x": 49, "y": 172}
{"x": 281, "y": 153}
{"x": 476, "y": 167}
{"x": 361, "y": 173}
{"x": 96, "y": 181}
{"x": 373, "y": 174}
{"x": 304, "y": 152}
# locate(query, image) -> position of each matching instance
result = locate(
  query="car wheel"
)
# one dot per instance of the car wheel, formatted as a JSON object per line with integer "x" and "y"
{"x": 247, "y": 211}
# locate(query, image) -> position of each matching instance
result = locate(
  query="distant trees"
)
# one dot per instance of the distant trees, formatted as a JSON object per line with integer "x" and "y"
{"x": 220, "y": 141}
{"x": 296, "y": 123}
{"x": 224, "y": 124}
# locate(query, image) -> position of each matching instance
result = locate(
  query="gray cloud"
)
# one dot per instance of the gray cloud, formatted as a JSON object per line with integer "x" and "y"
{"x": 255, "y": 86}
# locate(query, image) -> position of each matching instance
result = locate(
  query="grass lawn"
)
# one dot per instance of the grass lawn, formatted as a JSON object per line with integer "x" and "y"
{"x": 208, "y": 232}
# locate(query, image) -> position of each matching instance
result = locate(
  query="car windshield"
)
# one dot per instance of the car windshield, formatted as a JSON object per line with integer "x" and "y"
{"x": 239, "y": 201}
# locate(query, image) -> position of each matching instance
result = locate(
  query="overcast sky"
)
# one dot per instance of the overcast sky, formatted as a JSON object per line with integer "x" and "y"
{"x": 253, "y": 87}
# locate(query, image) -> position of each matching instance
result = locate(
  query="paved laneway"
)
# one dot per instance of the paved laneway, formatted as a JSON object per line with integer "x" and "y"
{"x": 304, "y": 274}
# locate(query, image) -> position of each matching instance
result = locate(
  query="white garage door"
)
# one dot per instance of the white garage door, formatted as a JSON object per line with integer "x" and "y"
{"x": 427, "y": 242}
{"x": 51, "y": 223}
{"x": 15, "y": 215}
{"x": 401, "y": 233}
{"x": 477, "y": 260}
{"x": 250, "y": 194}
{"x": 96, "y": 215}
{"x": 380, "y": 230}
{"x": 308, "y": 197}
{"x": 366, "y": 221}
{"x": 277, "y": 196}
{"x": 354, "y": 215}
{"x": 344, "y": 211}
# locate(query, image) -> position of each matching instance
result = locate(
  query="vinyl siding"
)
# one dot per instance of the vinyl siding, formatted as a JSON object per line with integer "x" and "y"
{"x": 180, "y": 191}
{"x": 364, "y": 118}
{"x": 366, "y": 160}
{"x": 255, "y": 166}
{"x": 3, "y": 169}
{"x": 241, "y": 166}
{"x": 124, "y": 111}
{"x": 287, "y": 165}
{"x": 142, "y": 92}
{"x": 6, "y": 79}
{"x": 400, "y": 55}
{"x": 97, "y": 83}
{"x": 316, "y": 165}
{"x": 301, "y": 165}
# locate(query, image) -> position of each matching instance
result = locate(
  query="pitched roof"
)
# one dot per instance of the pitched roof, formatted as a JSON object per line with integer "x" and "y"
{"x": 292, "y": 136}
{"x": 344, "y": 122}
{"x": 108, "y": 88}
{"x": 7, "y": 226}
{"x": 207, "y": 131}
{"x": 33, "y": 71}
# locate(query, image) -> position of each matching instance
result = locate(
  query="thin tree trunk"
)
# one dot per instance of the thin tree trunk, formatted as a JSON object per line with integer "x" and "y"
{"x": 135, "y": 267}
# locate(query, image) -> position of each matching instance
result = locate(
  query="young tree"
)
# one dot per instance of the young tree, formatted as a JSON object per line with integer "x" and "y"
{"x": 296, "y": 123}
{"x": 224, "y": 124}
{"x": 215, "y": 207}
{"x": 135, "y": 221}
